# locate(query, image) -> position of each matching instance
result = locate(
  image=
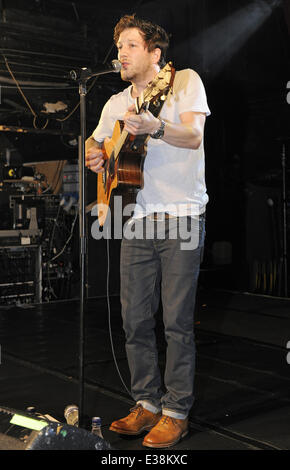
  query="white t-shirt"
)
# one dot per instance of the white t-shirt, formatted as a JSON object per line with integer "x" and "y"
{"x": 174, "y": 178}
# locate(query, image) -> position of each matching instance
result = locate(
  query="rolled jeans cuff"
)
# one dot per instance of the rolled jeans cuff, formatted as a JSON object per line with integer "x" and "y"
{"x": 148, "y": 406}
{"x": 173, "y": 414}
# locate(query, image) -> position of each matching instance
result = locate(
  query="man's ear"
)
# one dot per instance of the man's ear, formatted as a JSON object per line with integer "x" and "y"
{"x": 156, "y": 55}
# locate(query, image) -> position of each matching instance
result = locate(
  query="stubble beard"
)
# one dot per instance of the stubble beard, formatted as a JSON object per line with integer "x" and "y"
{"x": 126, "y": 77}
{"x": 130, "y": 76}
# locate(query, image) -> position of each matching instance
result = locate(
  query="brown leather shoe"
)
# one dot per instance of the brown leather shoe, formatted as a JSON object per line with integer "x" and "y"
{"x": 136, "y": 422}
{"x": 167, "y": 432}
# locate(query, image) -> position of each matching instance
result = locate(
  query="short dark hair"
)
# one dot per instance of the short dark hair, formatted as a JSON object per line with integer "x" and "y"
{"x": 153, "y": 35}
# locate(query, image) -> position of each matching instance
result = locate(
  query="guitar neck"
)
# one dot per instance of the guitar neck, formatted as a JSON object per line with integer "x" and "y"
{"x": 119, "y": 144}
{"x": 124, "y": 134}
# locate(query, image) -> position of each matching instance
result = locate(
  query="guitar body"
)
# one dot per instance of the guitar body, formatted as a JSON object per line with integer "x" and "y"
{"x": 122, "y": 176}
{"x": 124, "y": 154}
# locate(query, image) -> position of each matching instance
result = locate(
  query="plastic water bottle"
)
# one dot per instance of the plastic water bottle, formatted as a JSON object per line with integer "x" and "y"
{"x": 71, "y": 414}
{"x": 97, "y": 426}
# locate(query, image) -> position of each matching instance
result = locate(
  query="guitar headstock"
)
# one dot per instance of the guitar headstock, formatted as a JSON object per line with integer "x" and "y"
{"x": 161, "y": 83}
{"x": 158, "y": 88}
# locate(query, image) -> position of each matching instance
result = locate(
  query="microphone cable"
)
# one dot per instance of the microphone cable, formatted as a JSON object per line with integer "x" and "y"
{"x": 109, "y": 316}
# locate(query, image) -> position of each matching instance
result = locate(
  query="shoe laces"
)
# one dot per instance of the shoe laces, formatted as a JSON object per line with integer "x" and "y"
{"x": 137, "y": 409}
{"x": 165, "y": 418}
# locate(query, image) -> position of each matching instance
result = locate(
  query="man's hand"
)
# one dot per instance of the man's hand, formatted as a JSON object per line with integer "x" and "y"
{"x": 94, "y": 157}
{"x": 143, "y": 123}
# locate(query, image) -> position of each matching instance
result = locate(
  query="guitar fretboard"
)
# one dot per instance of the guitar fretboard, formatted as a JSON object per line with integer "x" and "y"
{"x": 123, "y": 136}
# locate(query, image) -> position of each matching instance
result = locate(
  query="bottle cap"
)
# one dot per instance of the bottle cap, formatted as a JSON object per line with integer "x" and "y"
{"x": 96, "y": 419}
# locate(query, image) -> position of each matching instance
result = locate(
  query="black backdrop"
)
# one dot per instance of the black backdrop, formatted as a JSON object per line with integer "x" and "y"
{"x": 241, "y": 51}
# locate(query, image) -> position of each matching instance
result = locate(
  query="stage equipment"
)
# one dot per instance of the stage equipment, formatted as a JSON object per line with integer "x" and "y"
{"x": 21, "y": 273}
{"x": 33, "y": 431}
{"x": 36, "y": 249}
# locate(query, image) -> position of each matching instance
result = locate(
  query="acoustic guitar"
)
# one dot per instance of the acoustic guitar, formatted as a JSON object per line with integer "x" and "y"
{"x": 124, "y": 154}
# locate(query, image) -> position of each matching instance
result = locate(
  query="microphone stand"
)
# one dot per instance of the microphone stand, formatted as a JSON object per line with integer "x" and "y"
{"x": 83, "y": 240}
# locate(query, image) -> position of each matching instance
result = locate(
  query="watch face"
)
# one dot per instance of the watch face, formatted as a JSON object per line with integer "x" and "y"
{"x": 160, "y": 132}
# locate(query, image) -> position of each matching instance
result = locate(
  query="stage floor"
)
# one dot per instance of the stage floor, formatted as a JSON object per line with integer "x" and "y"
{"x": 242, "y": 399}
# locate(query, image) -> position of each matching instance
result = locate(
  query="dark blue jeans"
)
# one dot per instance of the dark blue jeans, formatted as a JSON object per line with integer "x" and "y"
{"x": 173, "y": 264}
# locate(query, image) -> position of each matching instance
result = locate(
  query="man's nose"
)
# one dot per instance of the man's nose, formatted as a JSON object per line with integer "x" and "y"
{"x": 123, "y": 53}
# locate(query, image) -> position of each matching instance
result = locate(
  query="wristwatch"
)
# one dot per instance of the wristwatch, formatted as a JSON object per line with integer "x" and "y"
{"x": 160, "y": 131}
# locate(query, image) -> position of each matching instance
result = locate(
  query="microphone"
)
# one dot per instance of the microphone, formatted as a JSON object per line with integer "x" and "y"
{"x": 86, "y": 73}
